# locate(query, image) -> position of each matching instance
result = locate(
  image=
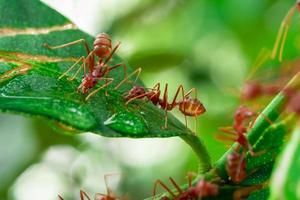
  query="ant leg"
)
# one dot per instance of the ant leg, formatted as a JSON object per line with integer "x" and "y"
{"x": 223, "y": 138}
{"x": 262, "y": 57}
{"x": 165, "y": 103}
{"x": 159, "y": 182}
{"x": 180, "y": 88}
{"x": 156, "y": 87}
{"x": 193, "y": 90}
{"x": 83, "y": 195}
{"x": 108, "y": 190}
{"x": 70, "y": 44}
{"x": 89, "y": 60}
{"x": 70, "y": 68}
{"x": 60, "y": 198}
{"x": 98, "y": 89}
{"x": 282, "y": 33}
{"x": 176, "y": 185}
{"x": 195, "y": 125}
{"x": 135, "y": 72}
{"x": 111, "y": 54}
{"x": 255, "y": 118}
{"x": 136, "y": 97}
{"x": 174, "y": 103}
{"x": 118, "y": 65}
{"x": 190, "y": 176}
{"x": 166, "y": 119}
{"x": 77, "y": 72}
{"x": 246, "y": 191}
{"x": 228, "y": 130}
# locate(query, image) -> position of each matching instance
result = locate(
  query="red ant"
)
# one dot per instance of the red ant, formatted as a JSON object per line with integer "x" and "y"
{"x": 98, "y": 196}
{"x": 236, "y": 166}
{"x": 293, "y": 104}
{"x": 254, "y": 89}
{"x": 236, "y": 170}
{"x": 104, "y": 51}
{"x": 238, "y": 130}
{"x": 202, "y": 189}
{"x": 283, "y": 31}
{"x": 187, "y": 106}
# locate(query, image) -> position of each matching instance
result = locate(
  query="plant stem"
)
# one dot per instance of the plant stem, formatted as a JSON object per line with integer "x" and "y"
{"x": 199, "y": 148}
{"x": 271, "y": 112}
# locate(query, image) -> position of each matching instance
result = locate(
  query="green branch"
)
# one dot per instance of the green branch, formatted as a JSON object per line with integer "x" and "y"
{"x": 199, "y": 148}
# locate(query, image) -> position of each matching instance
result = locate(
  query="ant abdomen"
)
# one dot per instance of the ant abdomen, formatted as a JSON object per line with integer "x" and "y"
{"x": 102, "y": 45}
{"x": 236, "y": 167}
{"x": 191, "y": 107}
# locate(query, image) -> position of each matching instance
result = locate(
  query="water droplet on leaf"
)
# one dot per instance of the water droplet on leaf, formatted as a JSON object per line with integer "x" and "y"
{"x": 127, "y": 123}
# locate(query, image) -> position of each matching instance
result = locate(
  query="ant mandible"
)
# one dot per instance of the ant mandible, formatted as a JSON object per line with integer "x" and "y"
{"x": 103, "y": 51}
{"x": 187, "y": 106}
{"x": 99, "y": 196}
{"x": 283, "y": 31}
{"x": 201, "y": 189}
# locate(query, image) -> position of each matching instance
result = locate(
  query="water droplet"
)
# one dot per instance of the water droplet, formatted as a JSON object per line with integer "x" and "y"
{"x": 127, "y": 123}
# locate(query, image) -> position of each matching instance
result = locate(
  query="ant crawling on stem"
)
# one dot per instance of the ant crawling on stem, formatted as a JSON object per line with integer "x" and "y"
{"x": 283, "y": 31}
{"x": 188, "y": 106}
{"x": 236, "y": 170}
{"x": 238, "y": 130}
{"x": 99, "y": 196}
{"x": 236, "y": 165}
{"x": 201, "y": 189}
{"x": 103, "y": 51}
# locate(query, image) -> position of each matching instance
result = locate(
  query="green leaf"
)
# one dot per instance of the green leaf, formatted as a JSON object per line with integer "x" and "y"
{"x": 268, "y": 145}
{"x": 259, "y": 176}
{"x": 261, "y": 194}
{"x": 29, "y": 78}
{"x": 285, "y": 180}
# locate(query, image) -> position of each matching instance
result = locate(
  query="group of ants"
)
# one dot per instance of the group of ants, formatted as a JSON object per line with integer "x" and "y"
{"x": 96, "y": 66}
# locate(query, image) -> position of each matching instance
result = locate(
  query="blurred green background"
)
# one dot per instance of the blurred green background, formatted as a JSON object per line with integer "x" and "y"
{"x": 206, "y": 44}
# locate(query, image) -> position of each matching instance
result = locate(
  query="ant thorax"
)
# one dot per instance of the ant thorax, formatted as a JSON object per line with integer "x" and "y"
{"x": 97, "y": 72}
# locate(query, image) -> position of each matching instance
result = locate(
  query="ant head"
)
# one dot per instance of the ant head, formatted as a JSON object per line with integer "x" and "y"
{"x": 298, "y": 5}
{"x": 134, "y": 92}
{"x": 205, "y": 188}
{"x": 251, "y": 90}
{"x": 88, "y": 81}
{"x": 243, "y": 112}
